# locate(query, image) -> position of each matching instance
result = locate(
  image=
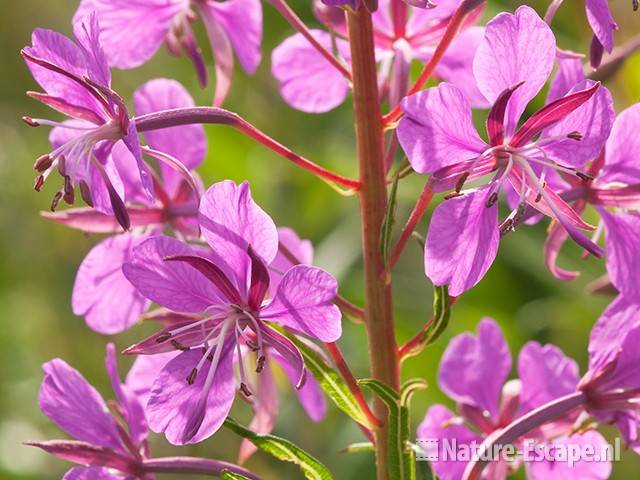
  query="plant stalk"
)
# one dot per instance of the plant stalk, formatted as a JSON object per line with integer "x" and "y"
{"x": 373, "y": 199}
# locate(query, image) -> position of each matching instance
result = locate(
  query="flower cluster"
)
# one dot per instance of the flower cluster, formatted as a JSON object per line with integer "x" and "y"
{"x": 235, "y": 297}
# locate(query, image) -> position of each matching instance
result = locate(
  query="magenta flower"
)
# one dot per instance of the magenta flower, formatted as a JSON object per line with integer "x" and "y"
{"x": 77, "y": 82}
{"x": 612, "y": 384}
{"x": 107, "y": 300}
{"x": 105, "y": 449}
{"x": 308, "y": 82}
{"x": 473, "y": 371}
{"x": 439, "y": 138}
{"x": 224, "y": 291}
{"x": 132, "y": 32}
{"x": 615, "y": 194}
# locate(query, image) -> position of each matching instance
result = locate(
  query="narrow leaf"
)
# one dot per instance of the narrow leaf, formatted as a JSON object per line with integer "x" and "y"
{"x": 358, "y": 447}
{"x": 410, "y": 387}
{"x": 330, "y": 382}
{"x": 282, "y": 449}
{"x": 389, "y": 219}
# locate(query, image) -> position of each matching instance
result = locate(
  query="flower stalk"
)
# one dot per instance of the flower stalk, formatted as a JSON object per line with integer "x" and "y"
{"x": 192, "y": 465}
{"x": 373, "y": 199}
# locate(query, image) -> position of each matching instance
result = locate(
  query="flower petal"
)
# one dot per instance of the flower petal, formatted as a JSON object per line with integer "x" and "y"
{"x": 506, "y": 57}
{"x": 101, "y": 292}
{"x": 621, "y": 152}
{"x": 131, "y": 32}
{"x": 91, "y": 473}
{"x": 462, "y": 241}
{"x": 309, "y": 395}
{"x": 546, "y": 374}
{"x": 570, "y": 73}
{"x": 143, "y": 373}
{"x": 302, "y": 250}
{"x": 440, "y": 424}
{"x": 173, "y": 400}
{"x": 308, "y": 82}
{"x": 601, "y": 21}
{"x": 76, "y": 407}
{"x": 231, "y": 222}
{"x": 437, "y": 129}
{"x": 473, "y": 369}
{"x": 304, "y": 303}
{"x": 622, "y": 237}
{"x": 174, "y": 285}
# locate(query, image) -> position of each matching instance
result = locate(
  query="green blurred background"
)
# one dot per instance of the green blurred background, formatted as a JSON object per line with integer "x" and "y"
{"x": 38, "y": 260}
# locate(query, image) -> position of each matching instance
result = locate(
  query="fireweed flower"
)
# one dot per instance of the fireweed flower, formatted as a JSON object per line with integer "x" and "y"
{"x": 615, "y": 195}
{"x": 77, "y": 82}
{"x": 439, "y": 138}
{"x": 612, "y": 384}
{"x": 132, "y": 32}
{"x": 101, "y": 293}
{"x": 110, "y": 445}
{"x": 224, "y": 289}
{"x": 473, "y": 371}
{"x": 308, "y": 82}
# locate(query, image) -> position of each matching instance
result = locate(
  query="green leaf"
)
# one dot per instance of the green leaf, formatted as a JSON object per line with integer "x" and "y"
{"x": 401, "y": 457}
{"x": 227, "y": 475}
{"x": 389, "y": 219}
{"x": 330, "y": 381}
{"x": 359, "y": 447}
{"x": 282, "y": 449}
{"x": 439, "y": 323}
{"x": 409, "y": 388}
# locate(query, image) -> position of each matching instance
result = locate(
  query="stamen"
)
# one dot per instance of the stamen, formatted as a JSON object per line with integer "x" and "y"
{"x": 260, "y": 365}
{"x": 85, "y": 193}
{"x": 69, "y": 196}
{"x": 635, "y": 4}
{"x": 461, "y": 180}
{"x": 37, "y": 186}
{"x": 244, "y": 389}
{"x": 163, "y": 337}
{"x": 56, "y": 200}
{"x": 43, "y": 163}
{"x": 192, "y": 376}
{"x": 451, "y": 195}
{"x": 584, "y": 176}
{"x": 491, "y": 201}
{"x": 575, "y": 136}
{"x": 30, "y": 121}
{"x": 178, "y": 346}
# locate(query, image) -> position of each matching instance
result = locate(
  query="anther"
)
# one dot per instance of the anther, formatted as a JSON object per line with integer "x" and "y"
{"x": 452, "y": 195}
{"x": 491, "y": 201}
{"x": 163, "y": 337}
{"x": 517, "y": 218}
{"x": 260, "y": 365}
{"x": 178, "y": 346}
{"x": 37, "y": 186}
{"x": 30, "y": 121}
{"x": 253, "y": 346}
{"x": 506, "y": 227}
{"x": 461, "y": 181}
{"x": 56, "y": 201}
{"x": 192, "y": 376}
{"x": 69, "y": 196}
{"x": 43, "y": 163}
{"x": 62, "y": 165}
{"x": 635, "y": 5}
{"x": 575, "y": 136}
{"x": 85, "y": 193}
{"x": 244, "y": 389}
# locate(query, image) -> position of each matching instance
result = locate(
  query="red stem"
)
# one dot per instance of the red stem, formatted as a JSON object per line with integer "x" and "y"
{"x": 453, "y": 27}
{"x": 352, "y": 383}
{"x": 187, "y": 116}
{"x": 298, "y": 25}
{"x": 414, "y": 218}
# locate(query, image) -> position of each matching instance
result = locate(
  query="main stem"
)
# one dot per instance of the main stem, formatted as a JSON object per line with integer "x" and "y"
{"x": 373, "y": 200}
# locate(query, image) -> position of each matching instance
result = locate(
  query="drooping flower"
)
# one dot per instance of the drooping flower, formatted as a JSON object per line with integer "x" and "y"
{"x": 101, "y": 293}
{"x": 473, "y": 371}
{"x": 224, "y": 290}
{"x": 132, "y": 32}
{"x": 439, "y": 138}
{"x": 309, "y": 82}
{"x": 104, "y": 449}
{"x": 615, "y": 194}
{"x": 77, "y": 82}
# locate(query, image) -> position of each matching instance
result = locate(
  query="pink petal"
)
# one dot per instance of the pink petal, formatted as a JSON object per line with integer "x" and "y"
{"x": 173, "y": 401}
{"x": 308, "y": 82}
{"x": 621, "y": 152}
{"x": 222, "y": 53}
{"x": 555, "y": 240}
{"x": 84, "y": 453}
{"x": 143, "y": 373}
{"x": 304, "y": 303}
{"x": 91, "y": 473}
{"x": 437, "y": 129}
{"x": 309, "y": 395}
{"x": 87, "y": 32}
{"x": 622, "y": 232}
{"x": 101, "y": 293}
{"x": 546, "y": 374}
{"x": 242, "y": 22}
{"x": 440, "y": 424}
{"x": 131, "y": 32}
{"x": 76, "y": 407}
{"x": 601, "y": 21}
{"x": 302, "y": 250}
{"x": 231, "y": 222}
{"x": 506, "y": 57}
{"x": 174, "y": 285}
{"x": 462, "y": 241}
{"x": 570, "y": 73}
{"x": 186, "y": 143}
{"x": 473, "y": 369}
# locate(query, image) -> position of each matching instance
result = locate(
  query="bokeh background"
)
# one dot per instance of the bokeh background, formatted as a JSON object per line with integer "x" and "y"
{"x": 38, "y": 259}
